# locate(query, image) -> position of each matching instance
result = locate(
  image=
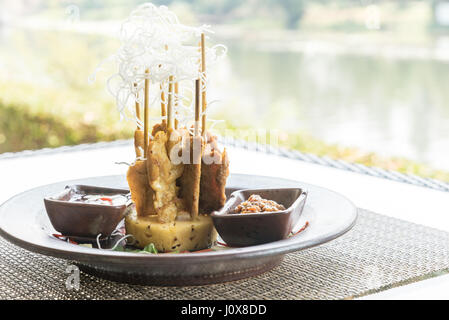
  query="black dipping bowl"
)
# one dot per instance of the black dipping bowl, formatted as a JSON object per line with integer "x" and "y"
{"x": 240, "y": 230}
{"x": 84, "y": 220}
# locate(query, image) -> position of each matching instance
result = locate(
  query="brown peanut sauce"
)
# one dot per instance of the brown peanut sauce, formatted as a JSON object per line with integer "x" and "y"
{"x": 256, "y": 204}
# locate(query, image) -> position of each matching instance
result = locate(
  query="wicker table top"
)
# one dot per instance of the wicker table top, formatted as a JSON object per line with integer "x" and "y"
{"x": 378, "y": 253}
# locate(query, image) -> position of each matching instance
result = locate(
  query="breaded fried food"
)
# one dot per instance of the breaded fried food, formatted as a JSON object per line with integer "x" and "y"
{"x": 189, "y": 183}
{"x": 211, "y": 141}
{"x": 138, "y": 143}
{"x": 159, "y": 127}
{"x": 162, "y": 176}
{"x": 141, "y": 193}
{"x": 213, "y": 179}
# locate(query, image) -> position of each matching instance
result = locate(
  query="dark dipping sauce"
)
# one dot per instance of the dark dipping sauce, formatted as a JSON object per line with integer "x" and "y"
{"x": 113, "y": 200}
{"x": 82, "y": 194}
{"x": 256, "y": 204}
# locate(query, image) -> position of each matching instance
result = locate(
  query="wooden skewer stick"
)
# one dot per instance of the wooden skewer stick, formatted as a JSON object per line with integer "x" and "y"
{"x": 164, "y": 106}
{"x": 194, "y": 169}
{"x": 197, "y": 107}
{"x": 138, "y": 116}
{"x": 176, "y": 104}
{"x": 138, "y": 133}
{"x": 146, "y": 113}
{"x": 163, "y": 103}
{"x": 170, "y": 123}
{"x": 203, "y": 83}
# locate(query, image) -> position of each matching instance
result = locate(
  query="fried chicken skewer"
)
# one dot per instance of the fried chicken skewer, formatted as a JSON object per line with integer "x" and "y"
{"x": 191, "y": 178}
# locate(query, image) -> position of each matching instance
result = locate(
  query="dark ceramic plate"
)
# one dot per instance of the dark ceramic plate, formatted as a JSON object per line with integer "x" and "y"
{"x": 24, "y": 222}
{"x": 241, "y": 230}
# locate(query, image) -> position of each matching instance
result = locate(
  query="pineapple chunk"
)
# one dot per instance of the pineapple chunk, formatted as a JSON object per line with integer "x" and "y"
{"x": 180, "y": 235}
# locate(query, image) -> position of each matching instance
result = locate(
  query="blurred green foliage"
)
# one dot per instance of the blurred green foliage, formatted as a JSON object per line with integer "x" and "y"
{"x": 20, "y": 129}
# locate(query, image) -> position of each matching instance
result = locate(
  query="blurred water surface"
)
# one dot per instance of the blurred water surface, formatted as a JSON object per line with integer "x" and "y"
{"x": 393, "y": 107}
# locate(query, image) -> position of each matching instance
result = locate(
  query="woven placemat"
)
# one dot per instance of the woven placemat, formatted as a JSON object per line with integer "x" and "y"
{"x": 378, "y": 253}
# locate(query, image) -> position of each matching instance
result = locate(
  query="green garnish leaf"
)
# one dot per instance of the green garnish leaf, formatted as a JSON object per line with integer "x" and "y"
{"x": 150, "y": 248}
